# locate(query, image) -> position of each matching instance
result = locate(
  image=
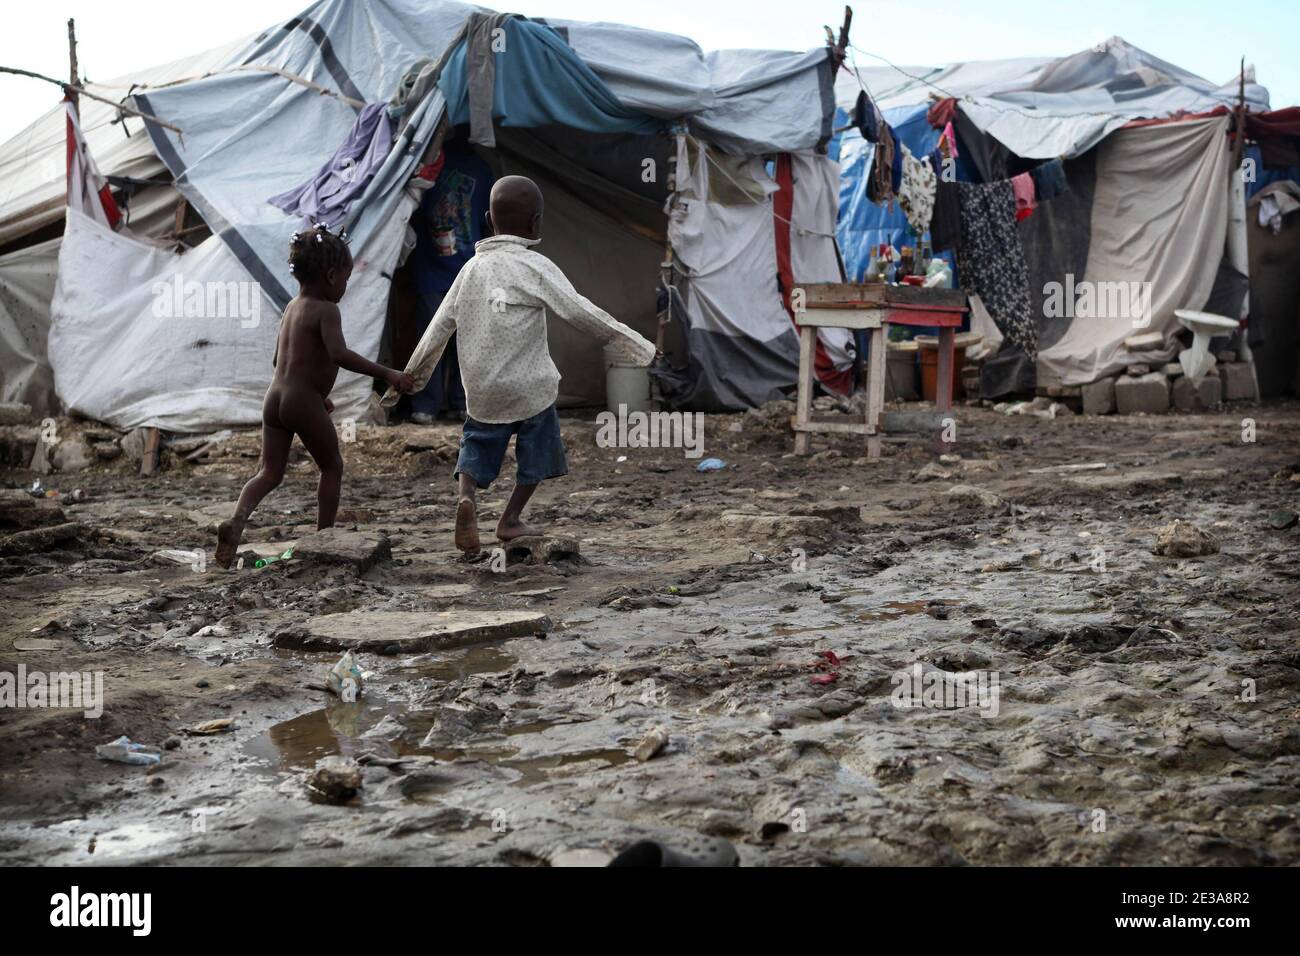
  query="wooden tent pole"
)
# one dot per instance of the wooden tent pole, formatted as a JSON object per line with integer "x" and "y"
{"x": 73, "y": 80}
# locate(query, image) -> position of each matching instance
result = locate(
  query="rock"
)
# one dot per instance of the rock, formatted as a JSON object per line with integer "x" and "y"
{"x": 132, "y": 444}
{"x": 1184, "y": 540}
{"x": 72, "y": 454}
{"x": 652, "y": 745}
{"x": 107, "y": 451}
{"x": 361, "y": 550}
{"x": 1238, "y": 381}
{"x": 15, "y": 413}
{"x": 932, "y": 472}
{"x": 1145, "y": 342}
{"x": 1099, "y": 397}
{"x": 1138, "y": 369}
{"x": 775, "y": 525}
{"x": 972, "y": 496}
{"x": 1061, "y": 391}
{"x": 401, "y": 632}
{"x": 1143, "y": 394}
{"x": 19, "y": 511}
{"x": 335, "y": 779}
{"x": 773, "y": 414}
{"x": 1282, "y": 519}
{"x": 1199, "y": 396}
{"x": 39, "y": 539}
{"x": 541, "y": 549}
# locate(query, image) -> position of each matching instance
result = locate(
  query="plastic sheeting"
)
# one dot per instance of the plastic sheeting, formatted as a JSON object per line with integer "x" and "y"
{"x": 180, "y": 342}
{"x": 742, "y": 345}
{"x": 572, "y": 94}
{"x": 1046, "y": 108}
{"x": 26, "y": 288}
{"x": 34, "y": 163}
{"x": 1167, "y": 235}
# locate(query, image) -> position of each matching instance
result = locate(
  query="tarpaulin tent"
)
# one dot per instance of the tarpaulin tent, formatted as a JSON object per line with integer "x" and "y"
{"x": 1148, "y": 201}
{"x": 259, "y": 120}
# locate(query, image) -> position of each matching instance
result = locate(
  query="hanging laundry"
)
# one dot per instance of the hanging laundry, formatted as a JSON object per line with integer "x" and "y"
{"x": 327, "y": 196}
{"x": 1022, "y": 187}
{"x": 941, "y": 113}
{"x": 1049, "y": 180}
{"x": 945, "y": 223}
{"x": 916, "y": 193}
{"x": 948, "y": 141}
{"x": 866, "y": 117}
{"x": 991, "y": 261}
{"x": 880, "y": 181}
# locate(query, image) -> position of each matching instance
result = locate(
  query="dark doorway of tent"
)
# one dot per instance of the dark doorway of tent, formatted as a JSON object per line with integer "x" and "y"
{"x": 604, "y": 226}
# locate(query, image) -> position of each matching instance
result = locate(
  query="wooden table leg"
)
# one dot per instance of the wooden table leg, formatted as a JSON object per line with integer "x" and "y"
{"x": 804, "y": 399}
{"x": 876, "y": 372}
{"x": 943, "y": 387}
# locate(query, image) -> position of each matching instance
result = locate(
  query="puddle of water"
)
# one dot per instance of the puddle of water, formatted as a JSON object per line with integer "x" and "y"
{"x": 131, "y": 838}
{"x": 298, "y": 743}
{"x": 785, "y": 630}
{"x": 893, "y": 610}
{"x": 477, "y": 659}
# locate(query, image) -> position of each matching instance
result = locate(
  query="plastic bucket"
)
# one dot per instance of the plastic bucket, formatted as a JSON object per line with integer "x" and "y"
{"x": 929, "y": 346}
{"x": 628, "y": 386}
{"x": 900, "y": 373}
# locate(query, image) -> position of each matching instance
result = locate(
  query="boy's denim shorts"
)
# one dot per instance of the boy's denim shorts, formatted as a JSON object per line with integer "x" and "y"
{"x": 539, "y": 450}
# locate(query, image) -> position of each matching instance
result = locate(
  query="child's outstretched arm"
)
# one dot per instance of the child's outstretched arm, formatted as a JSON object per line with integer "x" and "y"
{"x": 432, "y": 344}
{"x": 331, "y": 330}
{"x": 557, "y": 293}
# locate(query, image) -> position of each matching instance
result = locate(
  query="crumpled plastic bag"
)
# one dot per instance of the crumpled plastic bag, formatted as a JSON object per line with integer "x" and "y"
{"x": 345, "y": 678}
{"x": 123, "y": 750}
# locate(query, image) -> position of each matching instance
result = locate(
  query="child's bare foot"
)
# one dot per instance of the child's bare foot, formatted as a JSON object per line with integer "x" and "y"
{"x": 229, "y": 533}
{"x": 509, "y": 529}
{"x": 467, "y": 527}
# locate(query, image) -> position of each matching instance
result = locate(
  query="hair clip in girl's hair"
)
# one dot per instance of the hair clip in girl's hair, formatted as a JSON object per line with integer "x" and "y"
{"x": 320, "y": 237}
{"x": 292, "y": 268}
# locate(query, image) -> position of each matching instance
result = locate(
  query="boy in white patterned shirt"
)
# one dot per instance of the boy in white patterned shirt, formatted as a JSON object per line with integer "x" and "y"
{"x": 497, "y": 308}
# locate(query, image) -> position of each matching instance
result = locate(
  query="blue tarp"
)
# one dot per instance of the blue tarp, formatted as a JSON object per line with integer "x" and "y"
{"x": 862, "y": 223}
{"x": 542, "y": 83}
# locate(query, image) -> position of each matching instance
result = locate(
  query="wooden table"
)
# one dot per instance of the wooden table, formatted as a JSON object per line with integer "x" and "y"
{"x": 871, "y": 306}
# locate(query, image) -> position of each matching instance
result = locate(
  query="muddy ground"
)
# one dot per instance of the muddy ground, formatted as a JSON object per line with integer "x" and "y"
{"x": 1148, "y": 704}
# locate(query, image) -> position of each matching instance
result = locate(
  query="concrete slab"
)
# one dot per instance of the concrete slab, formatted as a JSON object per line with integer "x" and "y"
{"x": 1238, "y": 382}
{"x": 1143, "y": 393}
{"x": 409, "y": 632}
{"x": 359, "y": 549}
{"x": 1099, "y": 397}
{"x": 1199, "y": 396}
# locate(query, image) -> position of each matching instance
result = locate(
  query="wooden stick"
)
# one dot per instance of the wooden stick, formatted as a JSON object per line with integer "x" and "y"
{"x": 72, "y": 59}
{"x": 74, "y": 91}
{"x": 152, "y": 439}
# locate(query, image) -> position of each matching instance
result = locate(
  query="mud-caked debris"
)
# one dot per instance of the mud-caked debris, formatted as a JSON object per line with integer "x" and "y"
{"x": 360, "y": 550}
{"x": 335, "y": 779}
{"x": 1184, "y": 540}
{"x": 541, "y": 549}
{"x": 651, "y": 745}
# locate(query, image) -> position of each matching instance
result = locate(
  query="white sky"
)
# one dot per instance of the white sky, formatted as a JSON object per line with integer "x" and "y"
{"x": 1207, "y": 37}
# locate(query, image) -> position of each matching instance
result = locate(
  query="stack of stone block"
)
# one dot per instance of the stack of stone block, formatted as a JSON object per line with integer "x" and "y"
{"x": 1144, "y": 390}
